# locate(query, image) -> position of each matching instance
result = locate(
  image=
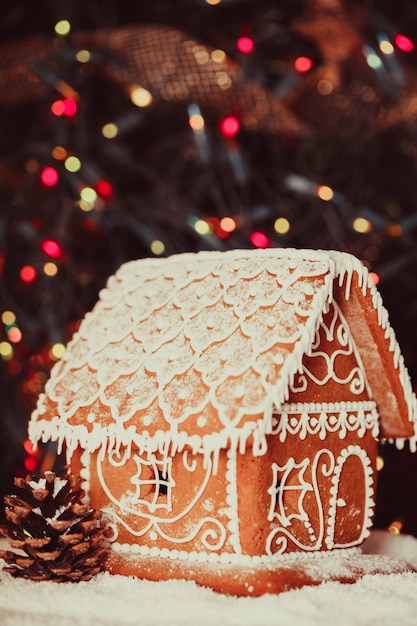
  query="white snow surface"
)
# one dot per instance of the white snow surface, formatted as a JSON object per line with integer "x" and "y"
{"x": 121, "y": 601}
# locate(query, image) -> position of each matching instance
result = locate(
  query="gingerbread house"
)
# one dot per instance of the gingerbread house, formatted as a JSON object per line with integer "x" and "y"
{"x": 223, "y": 410}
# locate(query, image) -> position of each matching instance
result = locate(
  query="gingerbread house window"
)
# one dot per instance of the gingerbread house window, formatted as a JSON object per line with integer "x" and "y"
{"x": 153, "y": 482}
{"x": 289, "y": 480}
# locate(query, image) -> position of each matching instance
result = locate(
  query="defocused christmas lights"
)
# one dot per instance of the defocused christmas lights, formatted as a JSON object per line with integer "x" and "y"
{"x": 362, "y": 225}
{"x": 70, "y": 107}
{"x": 6, "y": 350}
{"x": 51, "y": 248}
{"x": 404, "y": 43}
{"x": 374, "y": 277}
{"x": 140, "y": 96}
{"x": 202, "y": 227}
{"x": 8, "y": 317}
{"x": 62, "y": 28}
{"x": 157, "y": 247}
{"x": 88, "y": 194}
{"x": 110, "y": 130}
{"x": 83, "y": 56}
{"x": 303, "y": 64}
{"x": 58, "y": 108}
{"x": 282, "y": 225}
{"x": 28, "y": 274}
{"x": 228, "y": 224}
{"x": 14, "y": 334}
{"x": 104, "y": 189}
{"x": 59, "y": 153}
{"x": 72, "y": 164}
{"x": 67, "y": 107}
{"x": 386, "y": 47}
{"x": 259, "y": 240}
{"x": 229, "y": 126}
{"x": 325, "y": 192}
{"x": 49, "y": 176}
{"x": 57, "y": 351}
{"x": 245, "y": 45}
{"x": 50, "y": 269}
{"x": 196, "y": 120}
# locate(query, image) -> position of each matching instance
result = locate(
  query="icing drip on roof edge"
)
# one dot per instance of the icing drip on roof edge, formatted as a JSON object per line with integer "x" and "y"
{"x": 342, "y": 266}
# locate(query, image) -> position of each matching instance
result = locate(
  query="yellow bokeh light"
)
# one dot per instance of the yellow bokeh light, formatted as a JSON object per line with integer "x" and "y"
{"x": 85, "y": 206}
{"x": 362, "y": 225}
{"x": 324, "y": 87}
{"x": 218, "y": 56}
{"x": 8, "y": 317}
{"x": 213, "y": 3}
{"x": 223, "y": 80}
{"x": 386, "y": 46}
{"x": 72, "y": 164}
{"x": 110, "y": 130}
{"x": 379, "y": 463}
{"x": 228, "y": 224}
{"x": 62, "y": 28}
{"x": 395, "y": 528}
{"x": 50, "y": 269}
{"x": 57, "y": 351}
{"x": 157, "y": 247}
{"x": 325, "y": 193}
{"x": 83, "y": 56}
{"x": 88, "y": 194}
{"x": 201, "y": 55}
{"x": 6, "y": 350}
{"x": 140, "y": 96}
{"x": 282, "y": 225}
{"x": 196, "y": 122}
{"x": 202, "y": 227}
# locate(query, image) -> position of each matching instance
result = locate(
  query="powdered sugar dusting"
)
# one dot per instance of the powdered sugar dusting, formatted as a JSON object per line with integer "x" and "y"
{"x": 107, "y": 600}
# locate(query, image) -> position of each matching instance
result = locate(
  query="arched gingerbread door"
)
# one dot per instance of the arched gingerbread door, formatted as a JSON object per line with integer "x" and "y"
{"x": 351, "y": 500}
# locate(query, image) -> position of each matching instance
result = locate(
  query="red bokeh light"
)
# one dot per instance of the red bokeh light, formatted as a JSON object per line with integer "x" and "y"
{"x": 67, "y": 107}
{"x": 49, "y": 176}
{"x": 374, "y": 277}
{"x": 259, "y": 240}
{"x": 229, "y": 126}
{"x": 218, "y": 230}
{"x": 104, "y": 189}
{"x": 70, "y": 107}
{"x": 30, "y": 463}
{"x": 29, "y": 447}
{"x": 28, "y": 273}
{"x": 14, "y": 334}
{"x": 245, "y": 45}
{"x": 404, "y": 43}
{"x": 303, "y": 64}
{"x": 58, "y": 108}
{"x": 51, "y": 248}
{"x": 222, "y": 234}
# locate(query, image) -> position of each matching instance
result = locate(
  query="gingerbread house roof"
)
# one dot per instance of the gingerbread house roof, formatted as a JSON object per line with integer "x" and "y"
{"x": 200, "y": 349}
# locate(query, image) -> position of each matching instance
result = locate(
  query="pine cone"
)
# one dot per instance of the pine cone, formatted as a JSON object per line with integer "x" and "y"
{"x": 60, "y": 537}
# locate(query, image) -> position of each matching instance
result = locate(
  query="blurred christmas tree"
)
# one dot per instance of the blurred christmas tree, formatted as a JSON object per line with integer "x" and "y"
{"x": 129, "y": 131}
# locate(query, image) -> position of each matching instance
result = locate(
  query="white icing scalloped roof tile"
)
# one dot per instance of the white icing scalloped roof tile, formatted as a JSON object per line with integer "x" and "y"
{"x": 210, "y": 339}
